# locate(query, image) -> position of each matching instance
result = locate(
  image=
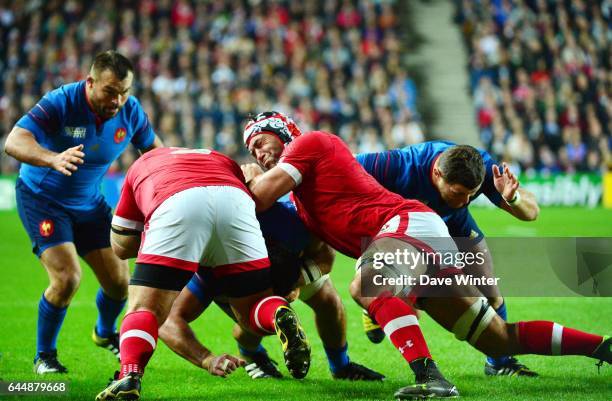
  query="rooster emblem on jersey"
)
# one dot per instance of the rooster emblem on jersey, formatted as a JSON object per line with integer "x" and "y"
{"x": 46, "y": 227}
{"x": 120, "y": 135}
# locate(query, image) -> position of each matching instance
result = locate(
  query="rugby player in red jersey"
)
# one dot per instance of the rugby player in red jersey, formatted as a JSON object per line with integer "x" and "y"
{"x": 348, "y": 209}
{"x": 179, "y": 209}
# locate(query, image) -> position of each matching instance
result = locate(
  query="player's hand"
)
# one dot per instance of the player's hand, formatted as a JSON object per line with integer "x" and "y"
{"x": 506, "y": 183}
{"x": 250, "y": 171}
{"x": 222, "y": 365}
{"x": 67, "y": 161}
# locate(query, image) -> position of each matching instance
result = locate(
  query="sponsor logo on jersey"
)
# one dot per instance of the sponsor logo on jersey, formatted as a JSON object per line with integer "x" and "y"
{"x": 46, "y": 227}
{"x": 474, "y": 234}
{"x": 75, "y": 132}
{"x": 120, "y": 135}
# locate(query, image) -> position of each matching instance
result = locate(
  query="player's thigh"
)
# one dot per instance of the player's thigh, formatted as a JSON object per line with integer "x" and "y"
{"x": 112, "y": 272}
{"x": 237, "y": 236}
{"x": 62, "y": 265}
{"x": 179, "y": 230}
{"x": 47, "y": 223}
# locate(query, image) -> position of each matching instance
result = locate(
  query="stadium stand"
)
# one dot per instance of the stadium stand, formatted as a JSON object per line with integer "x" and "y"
{"x": 540, "y": 79}
{"x": 203, "y": 66}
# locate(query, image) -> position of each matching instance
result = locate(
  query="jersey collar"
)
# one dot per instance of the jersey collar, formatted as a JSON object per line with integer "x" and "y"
{"x": 99, "y": 120}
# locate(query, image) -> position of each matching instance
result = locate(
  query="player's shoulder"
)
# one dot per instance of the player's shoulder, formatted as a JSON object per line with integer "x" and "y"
{"x": 66, "y": 95}
{"x": 312, "y": 141}
{"x": 132, "y": 106}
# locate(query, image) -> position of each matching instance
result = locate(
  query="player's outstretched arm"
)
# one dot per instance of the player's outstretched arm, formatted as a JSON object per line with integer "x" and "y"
{"x": 518, "y": 202}
{"x": 180, "y": 338}
{"x": 268, "y": 187}
{"x": 22, "y": 145}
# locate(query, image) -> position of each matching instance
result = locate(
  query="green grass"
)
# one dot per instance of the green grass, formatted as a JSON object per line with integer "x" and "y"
{"x": 168, "y": 377}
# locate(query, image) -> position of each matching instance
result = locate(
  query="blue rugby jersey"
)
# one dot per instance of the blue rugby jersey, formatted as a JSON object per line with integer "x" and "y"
{"x": 407, "y": 171}
{"x": 63, "y": 119}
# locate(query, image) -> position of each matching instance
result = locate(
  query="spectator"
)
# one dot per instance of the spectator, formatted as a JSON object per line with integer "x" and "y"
{"x": 203, "y": 66}
{"x": 545, "y": 64}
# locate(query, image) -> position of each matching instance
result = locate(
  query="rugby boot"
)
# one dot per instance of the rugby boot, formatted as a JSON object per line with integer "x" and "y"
{"x": 260, "y": 366}
{"x": 512, "y": 367}
{"x": 126, "y": 388}
{"x": 374, "y": 332}
{"x": 355, "y": 371}
{"x": 46, "y": 362}
{"x": 110, "y": 343}
{"x": 296, "y": 349}
{"x": 429, "y": 383}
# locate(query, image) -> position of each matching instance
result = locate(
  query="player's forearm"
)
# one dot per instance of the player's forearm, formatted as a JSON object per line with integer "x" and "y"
{"x": 526, "y": 208}
{"x": 180, "y": 338}
{"x": 22, "y": 145}
{"x": 261, "y": 196}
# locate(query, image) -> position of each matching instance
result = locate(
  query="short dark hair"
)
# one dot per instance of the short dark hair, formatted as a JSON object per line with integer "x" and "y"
{"x": 116, "y": 62}
{"x": 462, "y": 164}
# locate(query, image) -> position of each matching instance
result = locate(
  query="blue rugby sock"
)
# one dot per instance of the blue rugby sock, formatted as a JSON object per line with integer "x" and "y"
{"x": 50, "y": 319}
{"x": 502, "y": 360}
{"x": 337, "y": 358}
{"x": 248, "y": 353}
{"x": 108, "y": 311}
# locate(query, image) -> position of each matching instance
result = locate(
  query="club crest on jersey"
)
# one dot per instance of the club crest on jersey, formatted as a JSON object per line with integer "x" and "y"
{"x": 46, "y": 227}
{"x": 75, "y": 132}
{"x": 120, "y": 135}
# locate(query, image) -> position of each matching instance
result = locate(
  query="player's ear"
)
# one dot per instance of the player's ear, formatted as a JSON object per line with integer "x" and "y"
{"x": 89, "y": 80}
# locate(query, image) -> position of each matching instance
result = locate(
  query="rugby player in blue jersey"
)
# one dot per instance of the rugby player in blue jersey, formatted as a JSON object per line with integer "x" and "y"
{"x": 447, "y": 177}
{"x": 66, "y": 143}
{"x": 298, "y": 259}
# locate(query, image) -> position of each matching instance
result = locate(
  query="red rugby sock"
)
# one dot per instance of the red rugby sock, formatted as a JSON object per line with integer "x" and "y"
{"x": 400, "y": 324}
{"x": 138, "y": 340}
{"x": 262, "y": 314}
{"x": 549, "y": 338}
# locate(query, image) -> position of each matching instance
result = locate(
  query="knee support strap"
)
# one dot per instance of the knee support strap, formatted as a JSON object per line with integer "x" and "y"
{"x": 474, "y": 321}
{"x": 307, "y": 291}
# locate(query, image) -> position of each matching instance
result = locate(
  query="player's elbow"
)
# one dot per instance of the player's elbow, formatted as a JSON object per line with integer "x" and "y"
{"x": 124, "y": 248}
{"x": 122, "y": 253}
{"x": 9, "y": 145}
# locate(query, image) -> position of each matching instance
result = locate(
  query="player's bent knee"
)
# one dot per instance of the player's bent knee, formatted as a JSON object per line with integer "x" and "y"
{"x": 313, "y": 288}
{"x": 474, "y": 321}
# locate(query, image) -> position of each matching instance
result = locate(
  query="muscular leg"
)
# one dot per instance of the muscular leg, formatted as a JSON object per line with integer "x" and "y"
{"x": 113, "y": 275}
{"x": 330, "y": 317}
{"x": 64, "y": 271}
{"x": 502, "y": 364}
{"x": 266, "y": 314}
{"x": 500, "y": 338}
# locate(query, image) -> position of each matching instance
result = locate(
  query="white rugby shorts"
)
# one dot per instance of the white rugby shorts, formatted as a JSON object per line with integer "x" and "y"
{"x": 213, "y": 226}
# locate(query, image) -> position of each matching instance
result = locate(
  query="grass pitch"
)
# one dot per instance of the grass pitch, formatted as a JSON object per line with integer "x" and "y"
{"x": 168, "y": 377}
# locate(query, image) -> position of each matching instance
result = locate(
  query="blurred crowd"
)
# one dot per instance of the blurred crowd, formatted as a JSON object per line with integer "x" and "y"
{"x": 541, "y": 80}
{"x": 203, "y": 66}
